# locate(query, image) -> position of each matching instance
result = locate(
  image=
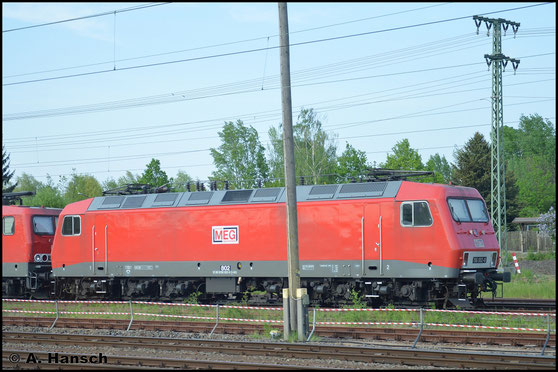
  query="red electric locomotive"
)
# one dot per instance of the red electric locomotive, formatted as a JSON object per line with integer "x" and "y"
{"x": 393, "y": 242}
{"x": 27, "y": 237}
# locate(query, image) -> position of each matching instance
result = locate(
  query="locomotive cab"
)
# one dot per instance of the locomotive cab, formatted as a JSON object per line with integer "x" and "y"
{"x": 478, "y": 248}
{"x": 27, "y": 238}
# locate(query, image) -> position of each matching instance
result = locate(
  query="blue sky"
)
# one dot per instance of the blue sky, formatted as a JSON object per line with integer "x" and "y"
{"x": 106, "y": 94}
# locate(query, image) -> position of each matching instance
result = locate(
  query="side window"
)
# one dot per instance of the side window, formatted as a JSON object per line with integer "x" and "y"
{"x": 71, "y": 225}
{"x": 422, "y": 214}
{"x": 8, "y": 225}
{"x": 77, "y": 225}
{"x": 415, "y": 214}
{"x": 407, "y": 214}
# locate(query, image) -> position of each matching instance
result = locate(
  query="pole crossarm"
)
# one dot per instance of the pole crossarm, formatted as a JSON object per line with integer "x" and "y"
{"x": 496, "y": 21}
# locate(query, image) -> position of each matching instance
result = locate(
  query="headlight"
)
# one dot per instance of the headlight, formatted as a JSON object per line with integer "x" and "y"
{"x": 494, "y": 257}
{"x": 465, "y": 258}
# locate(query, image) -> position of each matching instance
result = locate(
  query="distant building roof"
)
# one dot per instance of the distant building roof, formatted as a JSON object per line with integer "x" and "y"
{"x": 526, "y": 220}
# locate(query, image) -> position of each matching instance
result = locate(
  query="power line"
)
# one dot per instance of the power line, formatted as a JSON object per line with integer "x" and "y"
{"x": 86, "y": 17}
{"x": 260, "y": 49}
{"x": 248, "y": 86}
{"x": 132, "y": 157}
{"x": 416, "y": 87}
{"x": 223, "y": 44}
{"x": 33, "y": 140}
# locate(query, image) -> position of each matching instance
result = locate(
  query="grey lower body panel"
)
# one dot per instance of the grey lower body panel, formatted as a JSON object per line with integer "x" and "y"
{"x": 22, "y": 269}
{"x": 262, "y": 269}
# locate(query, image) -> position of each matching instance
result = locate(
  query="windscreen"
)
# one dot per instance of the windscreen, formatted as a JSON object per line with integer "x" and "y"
{"x": 468, "y": 210}
{"x": 43, "y": 225}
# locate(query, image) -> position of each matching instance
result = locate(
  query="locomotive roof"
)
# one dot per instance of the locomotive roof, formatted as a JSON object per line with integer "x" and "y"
{"x": 386, "y": 189}
{"x": 25, "y": 209}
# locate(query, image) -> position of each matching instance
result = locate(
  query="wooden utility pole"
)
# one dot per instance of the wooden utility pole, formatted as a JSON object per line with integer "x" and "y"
{"x": 290, "y": 180}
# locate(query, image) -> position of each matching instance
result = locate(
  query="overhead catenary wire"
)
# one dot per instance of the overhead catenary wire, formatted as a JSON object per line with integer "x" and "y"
{"x": 220, "y": 55}
{"x": 248, "y": 86}
{"x": 396, "y": 91}
{"x": 227, "y": 43}
{"x": 138, "y": 7}
{"x": 127, "y": 157}
{"x": 103, "y": 139}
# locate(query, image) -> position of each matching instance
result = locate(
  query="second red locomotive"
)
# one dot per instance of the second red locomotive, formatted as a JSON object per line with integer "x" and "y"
{"x": 27, "y": 237}
{"x": 392, "y": 242}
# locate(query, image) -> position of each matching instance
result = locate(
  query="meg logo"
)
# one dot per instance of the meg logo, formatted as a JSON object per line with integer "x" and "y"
{"x": 224, "y": 234}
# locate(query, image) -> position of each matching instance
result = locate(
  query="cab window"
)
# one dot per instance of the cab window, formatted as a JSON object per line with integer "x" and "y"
{"x": 8, "y": 225}
{"x": 468, "y": 210}
{"x": 43, "y": 225}
{"x": 71, "y": 225}
{"x": 416, "y": 213}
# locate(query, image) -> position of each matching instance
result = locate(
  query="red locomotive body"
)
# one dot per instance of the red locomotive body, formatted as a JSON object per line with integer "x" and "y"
{"x": 394, "y": 241}
{"x": 27, "y": 237}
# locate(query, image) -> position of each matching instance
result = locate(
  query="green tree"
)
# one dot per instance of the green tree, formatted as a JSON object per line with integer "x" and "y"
{"x": 109, "y": 184}
{"x": 530, "y": 153}
{"x": 81, "y": 187}
{"x": 472, "y": 166}
{"x": 6, "y": 173}
{"x": 404, "y": 157}
{"x": 314, "y": 150}
{"x": 27, "y": 182}
{"x": 241, "y": 157}
{"x": 154, "y": 175}
{"x": 46, "y": 194}
{"x": 352, "y": 163}
{"x": 472, "y": 169}
{"x": 275, "y": 154}
{"x": 441, "y": 168}
{"x": 128, "y": 178}
{"x": 182, "y": 178}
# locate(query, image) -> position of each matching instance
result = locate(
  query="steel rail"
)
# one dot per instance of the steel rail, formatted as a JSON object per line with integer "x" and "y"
{"x": 131, "y": 362}
{"x": 344, "y": 332}
{"x": 486, "y": 304}
{"x": 390, "y": 355}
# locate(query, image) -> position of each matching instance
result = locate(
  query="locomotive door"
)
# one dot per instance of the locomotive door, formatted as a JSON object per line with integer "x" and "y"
{"x": 372, "y": 241}
{"x": 99, "y": 246}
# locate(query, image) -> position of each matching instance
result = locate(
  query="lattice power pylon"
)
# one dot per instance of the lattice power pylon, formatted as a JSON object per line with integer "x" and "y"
{"x": 498, "y": 165}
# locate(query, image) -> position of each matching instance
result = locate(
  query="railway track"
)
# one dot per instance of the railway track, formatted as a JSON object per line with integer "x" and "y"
{"x": 364, "y": 333}
{"x": 520, "y": 304}
{"x": 488, "y": 304}
{"x": 46, "y": 360}
{"x": 388, "y": 355}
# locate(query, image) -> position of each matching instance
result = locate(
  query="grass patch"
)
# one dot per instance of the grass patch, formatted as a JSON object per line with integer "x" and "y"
{"x": 541, "y": 256}
{"x": 530, "y": 285}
